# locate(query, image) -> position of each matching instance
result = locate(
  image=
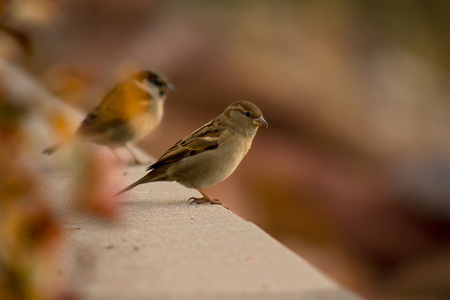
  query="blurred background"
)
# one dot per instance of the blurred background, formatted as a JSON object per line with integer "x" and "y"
{"x": 353, "y": 173}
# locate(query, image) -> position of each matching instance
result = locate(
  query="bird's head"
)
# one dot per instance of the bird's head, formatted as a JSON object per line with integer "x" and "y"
{"x": 154, "y": 82}
{"x": 246, "y": 115}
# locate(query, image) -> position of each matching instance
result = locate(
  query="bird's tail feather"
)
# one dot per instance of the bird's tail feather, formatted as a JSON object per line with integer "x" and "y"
{"x": 145, "y": 179}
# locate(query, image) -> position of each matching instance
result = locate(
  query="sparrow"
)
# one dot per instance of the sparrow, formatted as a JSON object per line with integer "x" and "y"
{"x": 126, "y": 114}
{"x": 211, "y": 153}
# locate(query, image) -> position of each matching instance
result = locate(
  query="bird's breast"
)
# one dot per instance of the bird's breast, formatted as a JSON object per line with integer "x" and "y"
{"x": 210, "y": 167}
{"x": 147, "y": 121}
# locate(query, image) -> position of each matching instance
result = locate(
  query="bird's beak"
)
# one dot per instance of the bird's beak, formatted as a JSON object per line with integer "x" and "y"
{"x": 170, "y": 87}
{"x": 260, "y": 122}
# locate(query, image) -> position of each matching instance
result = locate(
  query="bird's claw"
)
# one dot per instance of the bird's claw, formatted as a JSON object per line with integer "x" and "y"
{"x": 204, "y": 200}
{"x": 191, "y": 200}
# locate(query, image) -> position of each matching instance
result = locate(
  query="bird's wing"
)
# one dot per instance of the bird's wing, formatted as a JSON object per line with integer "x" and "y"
{"x": 99, "y": 121}
{"x": 112, "y": 112}
{"x": 207, "y": 137}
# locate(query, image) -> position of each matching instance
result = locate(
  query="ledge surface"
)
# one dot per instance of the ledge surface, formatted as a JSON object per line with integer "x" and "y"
{"x": 164, "y": 248}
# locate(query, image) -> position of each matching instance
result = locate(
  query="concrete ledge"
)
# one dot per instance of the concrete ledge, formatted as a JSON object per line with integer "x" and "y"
{"x": 165, "y": 248}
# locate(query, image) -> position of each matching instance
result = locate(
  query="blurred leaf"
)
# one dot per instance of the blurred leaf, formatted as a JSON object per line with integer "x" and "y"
{"x": 94, "y": 187}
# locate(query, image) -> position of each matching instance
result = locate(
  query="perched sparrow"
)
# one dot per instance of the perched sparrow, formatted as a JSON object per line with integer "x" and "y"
{"x": 126, "y": 114}
{"x": 209, "y": 154}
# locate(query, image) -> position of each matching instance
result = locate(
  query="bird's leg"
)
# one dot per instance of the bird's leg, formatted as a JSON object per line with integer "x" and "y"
{"x": 136, "y": 160}
{"x": 116, "y": 154}
{"x": 204, "y": 199}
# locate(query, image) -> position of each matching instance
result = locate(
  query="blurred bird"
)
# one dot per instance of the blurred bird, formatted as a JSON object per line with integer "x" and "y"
{"x": 209, "y": 154}
{"x": 126, "y": 114}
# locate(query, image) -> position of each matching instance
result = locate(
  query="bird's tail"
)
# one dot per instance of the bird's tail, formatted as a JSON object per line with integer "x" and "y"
{"x": 147, "y": 178}
{"x": 52, "y": 149}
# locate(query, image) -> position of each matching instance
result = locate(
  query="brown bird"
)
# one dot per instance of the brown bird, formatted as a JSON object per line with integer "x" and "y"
{"x": 126, "y": 114}
{"x": 209, "y": 154}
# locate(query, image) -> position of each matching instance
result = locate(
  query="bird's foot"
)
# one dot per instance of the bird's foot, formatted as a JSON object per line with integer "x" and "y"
{"x": 136, "y": 161}
{"x": 203, "y": 200}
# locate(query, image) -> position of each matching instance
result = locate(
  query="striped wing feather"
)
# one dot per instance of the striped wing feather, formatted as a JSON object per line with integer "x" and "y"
{"x": 203, "y": 139}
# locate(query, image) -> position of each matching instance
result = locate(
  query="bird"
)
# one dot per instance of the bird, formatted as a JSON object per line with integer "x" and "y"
{"x": 209, "y": 154}
{"x": 126, "y": 114}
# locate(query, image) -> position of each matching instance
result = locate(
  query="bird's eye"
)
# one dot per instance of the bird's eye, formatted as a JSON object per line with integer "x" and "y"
{"x": 247, "y": 113}
{"x": 153, "y": 79}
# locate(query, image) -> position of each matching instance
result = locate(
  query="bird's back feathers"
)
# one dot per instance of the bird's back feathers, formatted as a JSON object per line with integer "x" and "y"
{"x": 201, "y": 140}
